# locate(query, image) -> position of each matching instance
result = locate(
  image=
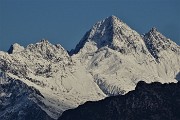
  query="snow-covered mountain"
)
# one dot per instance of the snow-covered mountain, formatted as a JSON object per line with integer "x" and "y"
{"x": 109, "y": 60}
{"x": 49, "y": 69}
{"x": 118, "y": 57}
{"x": 111, "y": 33}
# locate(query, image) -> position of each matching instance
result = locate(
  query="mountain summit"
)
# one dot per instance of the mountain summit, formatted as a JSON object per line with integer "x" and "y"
{"x": 156, "y": 42}
{"x": 15, "y": 48}
{"x": 110, "y": 32}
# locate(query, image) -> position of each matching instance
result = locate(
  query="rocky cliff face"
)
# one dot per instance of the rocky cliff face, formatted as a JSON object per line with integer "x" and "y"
{"x": 153, "y": 101}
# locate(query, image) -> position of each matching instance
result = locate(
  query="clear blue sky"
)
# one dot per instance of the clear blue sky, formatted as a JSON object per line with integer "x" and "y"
{"x": 66, "y": 21}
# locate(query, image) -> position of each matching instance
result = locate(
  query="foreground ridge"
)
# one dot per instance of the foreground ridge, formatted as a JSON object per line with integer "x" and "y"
{"x": 153, "y": 101}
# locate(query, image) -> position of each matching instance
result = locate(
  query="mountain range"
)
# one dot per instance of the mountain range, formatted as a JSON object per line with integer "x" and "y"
{"x": 109, "y": 60}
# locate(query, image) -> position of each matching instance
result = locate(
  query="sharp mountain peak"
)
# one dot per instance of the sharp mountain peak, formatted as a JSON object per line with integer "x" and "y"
{"x": 111, "y": 32}
{"x": 153, "y": 30}
{"x": 112, "y": 19}
{"x": 14, "y": 48}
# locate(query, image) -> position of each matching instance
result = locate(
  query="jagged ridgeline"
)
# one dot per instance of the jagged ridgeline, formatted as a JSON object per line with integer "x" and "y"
{"x": 109, "y": 60}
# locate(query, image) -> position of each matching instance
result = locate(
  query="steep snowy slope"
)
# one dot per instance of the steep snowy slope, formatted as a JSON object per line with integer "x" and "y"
{"x": 48, "y": 68}
{"x": 118, "y": 57}
{"x": 18, "y": 101}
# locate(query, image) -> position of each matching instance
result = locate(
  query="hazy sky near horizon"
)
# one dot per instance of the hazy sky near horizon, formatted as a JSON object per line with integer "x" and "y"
{"x": 66, "y": 21}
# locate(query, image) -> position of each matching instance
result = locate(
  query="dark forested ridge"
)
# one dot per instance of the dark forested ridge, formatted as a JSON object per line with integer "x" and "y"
{"x": 153, "y": 101}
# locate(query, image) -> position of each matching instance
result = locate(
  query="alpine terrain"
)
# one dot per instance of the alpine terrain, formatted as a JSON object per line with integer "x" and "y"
{"x": 110, "y": 59}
